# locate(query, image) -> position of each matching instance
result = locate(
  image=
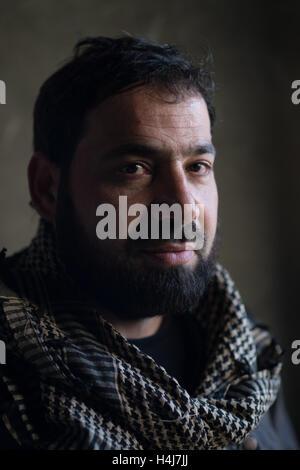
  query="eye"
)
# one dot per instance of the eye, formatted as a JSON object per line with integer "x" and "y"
{"x": 133, "y": 168}
{"x": 201, "y": 168}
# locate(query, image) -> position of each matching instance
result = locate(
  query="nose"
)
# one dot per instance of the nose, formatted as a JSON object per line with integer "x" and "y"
{"x": 173, "y": 187}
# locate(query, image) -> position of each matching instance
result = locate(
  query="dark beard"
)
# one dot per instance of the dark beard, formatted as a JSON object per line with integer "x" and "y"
{"x": 129, "y": 289}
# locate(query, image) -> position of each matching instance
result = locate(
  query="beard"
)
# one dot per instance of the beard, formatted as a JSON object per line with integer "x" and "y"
{"x": 120, "y": 280}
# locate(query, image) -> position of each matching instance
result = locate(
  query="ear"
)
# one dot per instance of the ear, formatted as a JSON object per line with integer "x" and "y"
{"x": 43, "y": 179}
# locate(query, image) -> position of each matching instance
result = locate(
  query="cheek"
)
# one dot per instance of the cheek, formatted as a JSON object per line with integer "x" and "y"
{"x": 84, "y": 201}
{"x": 81, "y": 187}
{"x": 88, "y": 193}
{"x": 210, "y": 215}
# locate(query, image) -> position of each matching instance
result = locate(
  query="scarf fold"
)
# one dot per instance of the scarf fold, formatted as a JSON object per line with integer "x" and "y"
{"x": 74, "y": 382}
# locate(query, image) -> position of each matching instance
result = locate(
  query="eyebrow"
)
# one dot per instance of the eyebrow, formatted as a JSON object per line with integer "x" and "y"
{"x": 143, "y": 150}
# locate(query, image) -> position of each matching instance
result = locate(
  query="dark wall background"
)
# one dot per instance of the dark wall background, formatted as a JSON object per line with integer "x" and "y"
{"x": 256, "y": 49}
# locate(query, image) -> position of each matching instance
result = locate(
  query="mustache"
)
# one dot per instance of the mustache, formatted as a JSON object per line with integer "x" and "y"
{"x": 176, "y": 235}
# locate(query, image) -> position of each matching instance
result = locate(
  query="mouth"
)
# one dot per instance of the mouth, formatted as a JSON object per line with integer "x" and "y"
{"x": 171, "y": 254}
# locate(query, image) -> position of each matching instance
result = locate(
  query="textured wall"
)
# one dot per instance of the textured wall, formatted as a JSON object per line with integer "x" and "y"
{"x": 256, "y": 54}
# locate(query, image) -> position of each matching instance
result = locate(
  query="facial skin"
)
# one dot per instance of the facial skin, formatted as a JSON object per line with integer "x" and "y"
{"x": 152, "y": 151}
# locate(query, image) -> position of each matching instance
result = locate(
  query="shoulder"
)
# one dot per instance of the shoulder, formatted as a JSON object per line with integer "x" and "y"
{"x": 275, "y": 430}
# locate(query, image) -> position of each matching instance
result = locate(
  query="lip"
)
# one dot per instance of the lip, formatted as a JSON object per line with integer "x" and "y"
{"x": 170, "y": 254}
{"x": 169, "y": 248}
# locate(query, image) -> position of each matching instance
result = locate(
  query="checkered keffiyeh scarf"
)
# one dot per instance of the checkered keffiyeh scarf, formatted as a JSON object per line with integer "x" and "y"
{"x": 73, "y": 382}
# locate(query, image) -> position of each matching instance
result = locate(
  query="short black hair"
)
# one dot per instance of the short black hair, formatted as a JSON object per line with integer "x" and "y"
{"x": 102, "y": 67}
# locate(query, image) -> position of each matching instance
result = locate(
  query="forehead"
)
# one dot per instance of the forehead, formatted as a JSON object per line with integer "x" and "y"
{"x": 148, "y": 113}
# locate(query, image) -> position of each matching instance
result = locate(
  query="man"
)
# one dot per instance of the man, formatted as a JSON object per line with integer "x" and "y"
{"x": 127, "y": 342}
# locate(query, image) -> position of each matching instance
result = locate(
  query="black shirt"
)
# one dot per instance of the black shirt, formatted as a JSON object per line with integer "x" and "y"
{"x": 178, "y": 347}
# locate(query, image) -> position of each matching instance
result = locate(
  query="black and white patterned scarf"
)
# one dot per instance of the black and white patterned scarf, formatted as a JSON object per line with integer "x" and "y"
{"x": 74, "y": 382}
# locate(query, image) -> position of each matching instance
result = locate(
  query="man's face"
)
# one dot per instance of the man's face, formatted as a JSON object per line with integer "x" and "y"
{"x": 139, "y": 145}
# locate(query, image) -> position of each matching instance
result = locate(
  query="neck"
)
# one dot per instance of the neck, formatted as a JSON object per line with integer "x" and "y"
{"x": 134, "y": 329}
